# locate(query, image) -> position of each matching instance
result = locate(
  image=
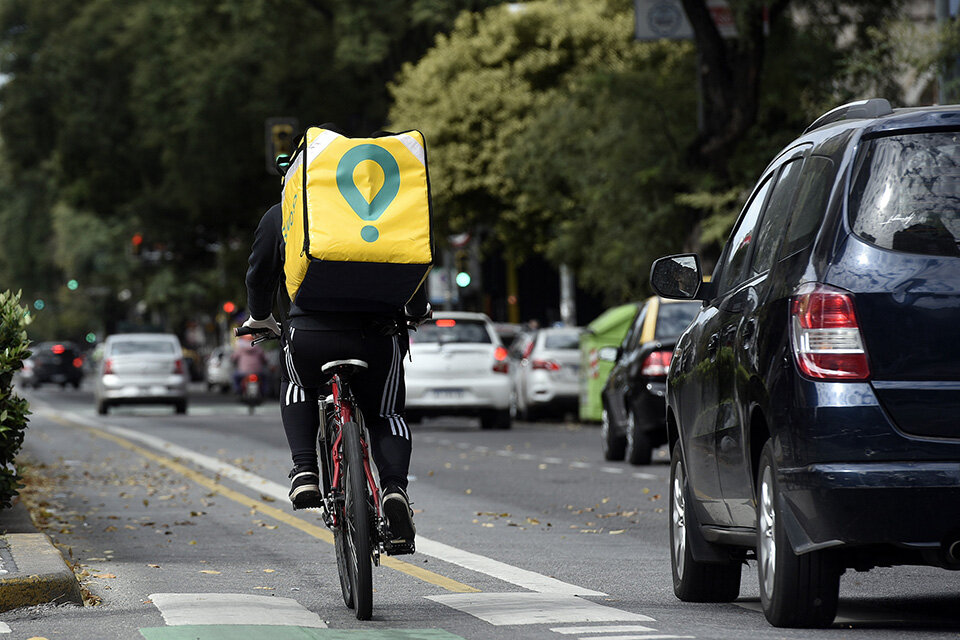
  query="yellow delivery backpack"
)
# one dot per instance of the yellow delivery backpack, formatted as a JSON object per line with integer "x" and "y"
{"x": 356, "y": 221}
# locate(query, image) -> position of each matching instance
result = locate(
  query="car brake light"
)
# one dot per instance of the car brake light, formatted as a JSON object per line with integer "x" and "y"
{"x": 58, "y": 349}
{"x": 656, "y": 364}
{"x": 827, "y": 344}
{"x": 178, "y": 366}
{"x": 501, "y": 364}
{"x": 547, "y": 365}
{"x": 77, "y": 363}
{"x": 253, "y": 377}
{"x": 108, "y": 367}
{"x": 446, "y": 322}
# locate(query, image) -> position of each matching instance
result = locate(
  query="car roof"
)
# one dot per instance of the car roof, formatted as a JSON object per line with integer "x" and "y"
{"x": 120, "y": 337}
{"x": 462, "y": 315}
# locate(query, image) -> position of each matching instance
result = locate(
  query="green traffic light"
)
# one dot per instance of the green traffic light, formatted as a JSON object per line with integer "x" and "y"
{"x": 38, "y": 304}
{"x": 91, "y": 337}
{"x": 463, "y": 279}
{"x": 73, "y": 285}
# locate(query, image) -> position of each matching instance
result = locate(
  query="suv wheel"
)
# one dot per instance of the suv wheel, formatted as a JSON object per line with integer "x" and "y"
{"x": 613, "y": 443}
{"x": 639, "y": 450}
{"x": 795, "y": 590}
{"x": 103, "y": 407}
{"x": 695, "y": 581}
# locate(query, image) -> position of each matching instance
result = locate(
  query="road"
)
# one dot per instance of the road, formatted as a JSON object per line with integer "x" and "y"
{"x": 526, "y": 533}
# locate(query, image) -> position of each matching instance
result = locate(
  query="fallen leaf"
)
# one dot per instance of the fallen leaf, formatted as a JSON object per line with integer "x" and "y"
{"x": 488, "y": 524}
{"x": 269, "y": 570}
{"x": 617, "y": 532}
{"x": 469, "y": 491}
{"x": 104, "y": 575}
{"x": 110, "y": 529}
{"x": 267, "y": 498}
{"x": 209, "y": 571}
{"x": 532, "y": 521}
{"x": 154, "y": 566}
{"x": 192, "y": 542}
{"x": 129, "y": 526}
{"x": 267, "y": 588}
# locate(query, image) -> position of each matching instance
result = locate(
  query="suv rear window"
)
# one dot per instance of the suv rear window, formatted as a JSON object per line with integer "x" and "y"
{"x": 906, "y": 196}
{"x": 562, "y": 340}
{"x": 674, "y": 318}
{"x": 449, "y": 330}
{"x": 130, "y": 347}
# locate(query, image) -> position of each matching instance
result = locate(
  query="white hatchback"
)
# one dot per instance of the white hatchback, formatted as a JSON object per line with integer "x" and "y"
{"x": 141, "y": 368}
{"x": 458, "y": 367}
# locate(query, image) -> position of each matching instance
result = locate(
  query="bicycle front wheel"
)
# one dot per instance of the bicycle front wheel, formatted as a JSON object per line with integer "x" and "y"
{"x": 357, "y": 507}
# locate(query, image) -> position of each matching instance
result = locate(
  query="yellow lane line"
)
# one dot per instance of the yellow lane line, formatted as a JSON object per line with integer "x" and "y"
{"x": 321, "y": 533}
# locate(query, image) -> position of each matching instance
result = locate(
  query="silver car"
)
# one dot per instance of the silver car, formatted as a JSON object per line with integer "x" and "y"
{"x": 545, "y": 373}
{"x": 141, "y": 368}
{"x": 459, "y": 367}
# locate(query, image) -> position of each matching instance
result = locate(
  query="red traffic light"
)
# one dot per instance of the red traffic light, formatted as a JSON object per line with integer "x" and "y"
{"x": 229, "y": 307}
{"x": 137, "y": 239}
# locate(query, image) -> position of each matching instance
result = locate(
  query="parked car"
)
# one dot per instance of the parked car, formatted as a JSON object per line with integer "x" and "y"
{"x": 633, "y": 422}
{"x": 598, "y": 352}
{"x": 546, "y": 365}
{"x": 812, "y": 404}
{"x": 54, "y": 363}
{"x": 141, "y": 368}
{"x": 220, "y": 370}
{"x": 458, "y": 367}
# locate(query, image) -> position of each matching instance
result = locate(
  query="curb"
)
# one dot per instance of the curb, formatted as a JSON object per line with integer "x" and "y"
{"x": 35, "y": 572}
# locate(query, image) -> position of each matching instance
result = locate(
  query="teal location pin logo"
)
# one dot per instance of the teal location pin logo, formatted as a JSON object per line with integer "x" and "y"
{"x": 372, "y": 210}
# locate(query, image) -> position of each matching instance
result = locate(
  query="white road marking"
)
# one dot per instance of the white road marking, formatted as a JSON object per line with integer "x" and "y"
{"x": 526, "y": 456}
{"x": 5, "y": 628}
{"x": 644, "y": 637}
{"x": 576, "y": 464}
{"x": 622, "y": 628}
{"x": 553, "y": 460}
{"x": 472, "y": 561}
{"x": 180, "y": 609}
{"x": 514, "y": 608}
{"x": 505, "y": 453}
{"x": 645, "y": 476}
{"x": 611, "y": 470}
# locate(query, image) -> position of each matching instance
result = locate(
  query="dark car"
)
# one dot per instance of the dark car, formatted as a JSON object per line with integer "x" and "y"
{"x": 55, "y": 363}
{"x": 633, "y": 419}
{"x": 813, "y": 403}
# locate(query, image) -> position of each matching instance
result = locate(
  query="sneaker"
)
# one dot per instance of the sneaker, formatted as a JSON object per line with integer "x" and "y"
{"x": 399, "y": 515}
{"x": 305, "y": 487}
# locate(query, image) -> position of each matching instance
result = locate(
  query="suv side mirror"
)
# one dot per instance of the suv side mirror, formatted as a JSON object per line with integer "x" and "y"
{"x": 679, "y": 277}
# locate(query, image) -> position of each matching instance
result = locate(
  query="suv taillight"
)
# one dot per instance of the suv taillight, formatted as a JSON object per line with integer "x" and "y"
{"x": 178, "y": 366}
{"x": 108, "y": 367}
{"x": 825, "y": 334}
{"x": 547, "y": 365}
{"x": 656, "y": 364}
{"x": 500, "y": 364}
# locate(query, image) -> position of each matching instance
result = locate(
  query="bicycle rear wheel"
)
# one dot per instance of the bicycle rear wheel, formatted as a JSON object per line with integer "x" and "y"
{"x": 343, "y": 564}
{"x": 357, "y": 509}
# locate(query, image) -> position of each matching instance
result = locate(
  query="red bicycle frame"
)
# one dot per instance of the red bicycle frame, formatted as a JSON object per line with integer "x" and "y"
{"x": 344, "y": 412}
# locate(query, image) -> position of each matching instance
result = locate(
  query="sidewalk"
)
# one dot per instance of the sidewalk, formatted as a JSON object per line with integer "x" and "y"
{"x": 32, "y": 571}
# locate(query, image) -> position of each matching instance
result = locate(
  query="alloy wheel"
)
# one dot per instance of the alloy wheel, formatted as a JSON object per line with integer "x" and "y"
{"x": 767, "y": 547}
{"x": 678, "y": 521}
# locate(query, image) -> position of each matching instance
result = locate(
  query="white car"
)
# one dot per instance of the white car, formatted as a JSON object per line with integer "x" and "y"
{"x": 546, "y": 366}
{"x": 141, "y": 368}
{"x": 220, "y": 370}
{"x": 459, "y": 367}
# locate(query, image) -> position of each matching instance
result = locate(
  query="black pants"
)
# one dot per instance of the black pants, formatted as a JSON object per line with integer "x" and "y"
{"x": 379, "y": 391}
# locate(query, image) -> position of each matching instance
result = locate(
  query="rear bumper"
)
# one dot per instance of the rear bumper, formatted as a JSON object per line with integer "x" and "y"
{"x": 909, "y": 504}
{"x": 142, "y": 390}
{"x": 452, "y": 396}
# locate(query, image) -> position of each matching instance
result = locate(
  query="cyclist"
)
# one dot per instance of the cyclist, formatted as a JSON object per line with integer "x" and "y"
{"x": 317, "y": 336}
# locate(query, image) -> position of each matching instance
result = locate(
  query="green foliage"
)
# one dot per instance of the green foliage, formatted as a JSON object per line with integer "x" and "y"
{"x": 14, "y": 349}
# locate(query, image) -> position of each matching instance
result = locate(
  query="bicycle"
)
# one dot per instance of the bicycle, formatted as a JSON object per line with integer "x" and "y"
{"x": 350, "y": 487}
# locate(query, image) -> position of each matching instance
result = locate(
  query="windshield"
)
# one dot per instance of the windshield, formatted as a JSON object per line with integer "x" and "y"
{"x": 161, "y": 347}
{"x": 447, "y": 330}
{"x": 562, "y": 340}
{"x": 906, "y": 196}
{"x": 673, "y": 318}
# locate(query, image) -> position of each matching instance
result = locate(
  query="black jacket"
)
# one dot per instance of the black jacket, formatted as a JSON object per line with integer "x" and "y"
{"x": 266, "y": 272}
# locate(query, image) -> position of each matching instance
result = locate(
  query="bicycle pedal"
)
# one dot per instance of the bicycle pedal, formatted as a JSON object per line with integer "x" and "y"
{"x": 399, "y": 547}
{"x": 308, "y": 503}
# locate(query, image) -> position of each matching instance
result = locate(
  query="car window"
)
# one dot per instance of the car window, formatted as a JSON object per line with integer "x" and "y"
{"x": 741, "y": 240}
{"x": 775, "y": 216}
{"x": 447, "y": 330}
{"x": 636, "y": 330}
{"x": 674, "y": 318}
{"x": 127, "y": 347}
{"x": 906, "y": 191}
{"x": 564, "y": 340}
{"x": 810, "y": 205}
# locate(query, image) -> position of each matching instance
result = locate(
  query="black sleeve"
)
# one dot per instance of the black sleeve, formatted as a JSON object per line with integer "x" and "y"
{"x": 266, "y": 264}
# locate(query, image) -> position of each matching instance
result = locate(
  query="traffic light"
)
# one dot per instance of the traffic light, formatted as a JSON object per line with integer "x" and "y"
{"x": 73, "y": 285}
{"x": 135, "y": 243}
{"x": 461, "y": 266}
{"x": 280, "y": 138}
{"x": 229, "y": 307}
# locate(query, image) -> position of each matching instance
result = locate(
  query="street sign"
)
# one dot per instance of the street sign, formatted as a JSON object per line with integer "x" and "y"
{"x": 657, "y": 19}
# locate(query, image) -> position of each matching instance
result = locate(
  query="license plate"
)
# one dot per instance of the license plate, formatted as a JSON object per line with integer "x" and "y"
{"x": 448, "y": 394}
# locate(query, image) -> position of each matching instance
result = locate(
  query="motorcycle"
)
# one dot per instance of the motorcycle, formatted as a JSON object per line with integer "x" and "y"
{"x": 251, "y": 392}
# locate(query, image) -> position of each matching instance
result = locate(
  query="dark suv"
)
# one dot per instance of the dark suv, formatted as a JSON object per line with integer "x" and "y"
{"x": 813, "y": 406}
{"x": 54, "y": 362}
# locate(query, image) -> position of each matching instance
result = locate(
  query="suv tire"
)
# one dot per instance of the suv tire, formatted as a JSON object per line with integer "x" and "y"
{"x": 639, "y": 449}
{"x": 613, "y": 444}
{"x": 695, "y": 581}
{"x": 799, "y": 591}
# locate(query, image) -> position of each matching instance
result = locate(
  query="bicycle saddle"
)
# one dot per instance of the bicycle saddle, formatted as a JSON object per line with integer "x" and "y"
{"x": 344, "y": 368}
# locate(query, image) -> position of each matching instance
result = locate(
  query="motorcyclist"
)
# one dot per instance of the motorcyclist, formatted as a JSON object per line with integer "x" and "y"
{"x": 248, "y": 359}
{"x": 316, "y": 336}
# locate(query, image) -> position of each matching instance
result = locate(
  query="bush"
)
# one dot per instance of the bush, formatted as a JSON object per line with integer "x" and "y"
{"x": 14, "y": 348}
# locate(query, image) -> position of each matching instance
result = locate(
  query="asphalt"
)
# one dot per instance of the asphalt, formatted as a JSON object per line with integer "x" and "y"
{"x": 32, "y": 570}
